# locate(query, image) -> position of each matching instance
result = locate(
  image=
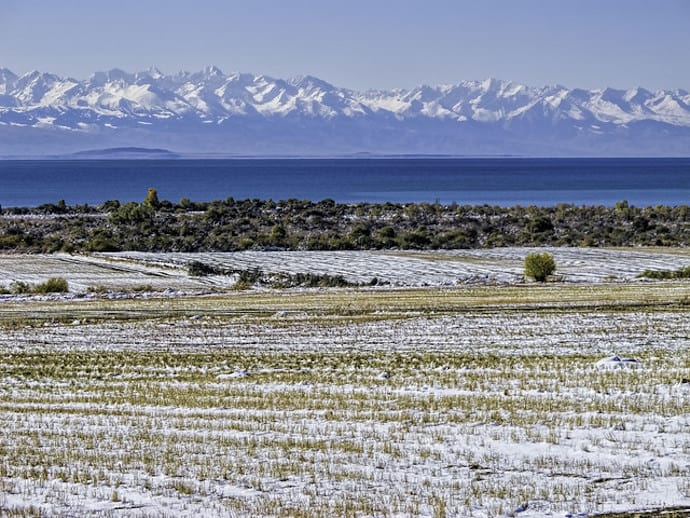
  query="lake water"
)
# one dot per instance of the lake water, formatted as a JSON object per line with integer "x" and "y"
{"x": 493, "y": 181}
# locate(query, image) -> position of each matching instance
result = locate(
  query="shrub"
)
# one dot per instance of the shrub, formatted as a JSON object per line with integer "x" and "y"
{"x": 20, "y": 287}
{"x": 539, "y": 224}
{"x": 310, "y": 280}
{"x": 250, "y": 276}
{"x": 199, "y": 269}
{"x": 101, "y": 243}
{"x": 539, "y": 266}
{"x": 52, "y": 285}
{"x": 131, "y": 213}
{"x": 110, "y": 205}
{"x": 247, "y": 278}
{"x": 10, "y": 241}
{"x": 681, "y": 273}
{"x": 142, "y": 287}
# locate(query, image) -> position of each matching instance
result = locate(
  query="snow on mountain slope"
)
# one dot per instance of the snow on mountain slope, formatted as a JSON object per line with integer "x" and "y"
{"x": 490, "y": 116}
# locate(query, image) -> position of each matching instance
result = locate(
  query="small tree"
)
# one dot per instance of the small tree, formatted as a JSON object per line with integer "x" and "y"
{"x": 539, "y": 266}
{"x": 152, "y": 200}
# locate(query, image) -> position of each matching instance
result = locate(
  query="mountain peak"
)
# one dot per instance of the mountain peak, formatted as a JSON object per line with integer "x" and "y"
{"x": 112, "y": 75}
{"x": 637, "y": 95}
{"x": 7, "y": 80}
{"x": 247, "y": 111}
{"x": 491, "y": 84}
{"x": 31, "y": 75}
{"x": 212, "y": 71}
{"x": 151, "y": 73}
{"x": 309, "y": 81}
{"x": 7, "y": 74}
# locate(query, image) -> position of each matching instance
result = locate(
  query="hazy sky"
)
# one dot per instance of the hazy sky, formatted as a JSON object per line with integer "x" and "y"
{"x": 360, "y": 43}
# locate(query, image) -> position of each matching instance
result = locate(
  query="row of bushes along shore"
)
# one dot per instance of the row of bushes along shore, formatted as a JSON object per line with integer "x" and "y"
{"x": 233, "y": 225}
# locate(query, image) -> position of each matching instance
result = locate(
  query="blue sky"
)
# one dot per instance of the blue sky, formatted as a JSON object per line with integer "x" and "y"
{"x": 360, "y": 44}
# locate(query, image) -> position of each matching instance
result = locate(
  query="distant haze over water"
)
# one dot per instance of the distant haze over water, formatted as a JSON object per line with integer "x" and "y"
{"x": 504, "y": 181}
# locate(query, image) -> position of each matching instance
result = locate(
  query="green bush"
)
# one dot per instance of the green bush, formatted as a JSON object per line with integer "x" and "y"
{"x": 539, "y": 266}
{"x": 52, "y": 285}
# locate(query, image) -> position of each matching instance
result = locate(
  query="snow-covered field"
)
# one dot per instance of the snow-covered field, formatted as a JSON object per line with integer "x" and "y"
{"x": 440, "y": 268}
{"x": 349, "y": 403}
{"x": 128, "y": 270}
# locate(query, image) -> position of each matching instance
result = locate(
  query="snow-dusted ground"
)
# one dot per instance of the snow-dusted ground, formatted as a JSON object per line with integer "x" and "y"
{"x": 83, "y": 272}
{"x": 127, "y": 270}
{"x": 481, "y": 413}
{"x": 439, "y": 268}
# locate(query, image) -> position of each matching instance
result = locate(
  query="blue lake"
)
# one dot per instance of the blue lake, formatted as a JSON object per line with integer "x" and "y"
{"x": 493, "y": 181}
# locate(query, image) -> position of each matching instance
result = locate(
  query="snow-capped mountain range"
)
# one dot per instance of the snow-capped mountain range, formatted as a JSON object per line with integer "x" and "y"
{"x": 246, "y": 114}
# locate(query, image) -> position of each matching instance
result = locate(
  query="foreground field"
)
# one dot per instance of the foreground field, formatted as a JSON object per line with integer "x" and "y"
{"x": 484, "y": 401}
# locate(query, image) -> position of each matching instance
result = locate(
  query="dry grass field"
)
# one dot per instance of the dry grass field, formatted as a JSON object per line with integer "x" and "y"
{"x": 458, "y": 398}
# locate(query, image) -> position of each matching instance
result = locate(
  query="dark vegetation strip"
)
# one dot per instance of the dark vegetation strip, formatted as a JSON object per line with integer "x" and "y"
{"x": 233, "y": 225}
{"x": 253, "y": 276}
